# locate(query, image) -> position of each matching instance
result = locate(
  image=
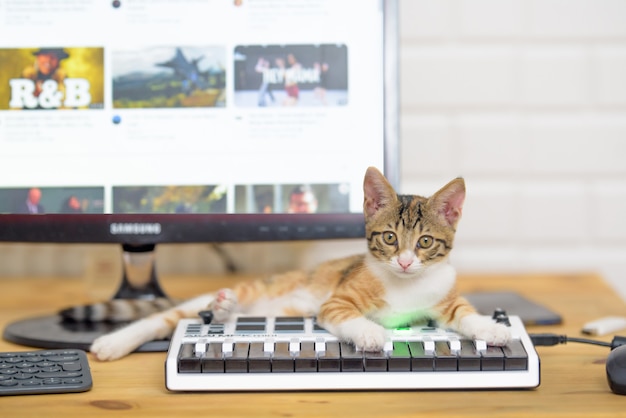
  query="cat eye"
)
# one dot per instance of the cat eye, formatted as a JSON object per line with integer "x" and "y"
{"x": 425, "y": 241}
{"x": 389, "y": 237}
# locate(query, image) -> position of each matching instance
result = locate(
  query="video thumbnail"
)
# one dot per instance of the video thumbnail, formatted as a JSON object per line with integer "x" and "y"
{"x": 291, "y": 75}
{"x": 292, "y": 198}
{"x": 52, "y": 78}
{"x": 36, "y": 200}
{"x": 169, "y": 199}
{"x": 164, "y": 77}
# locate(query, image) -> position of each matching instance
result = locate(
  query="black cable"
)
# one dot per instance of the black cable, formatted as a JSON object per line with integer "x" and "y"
{"x": 588, "y": 341}
{"x": 554, "y": 339}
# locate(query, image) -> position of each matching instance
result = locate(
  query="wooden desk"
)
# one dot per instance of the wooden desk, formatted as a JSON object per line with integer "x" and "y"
{"x": 573, "y": 375}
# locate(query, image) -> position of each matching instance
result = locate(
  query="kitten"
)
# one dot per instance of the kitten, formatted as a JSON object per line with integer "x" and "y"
{"x": 403, "y": 278}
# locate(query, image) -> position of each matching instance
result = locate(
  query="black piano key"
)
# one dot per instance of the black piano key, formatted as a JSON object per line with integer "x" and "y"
{"x": 306, "y": 358}
{"x": 213, "y": 359}
{"x": 492, "y": 359}
{"x": 375, "y": 361}
{"x": 187, "y": 361}
{"x": 420, "y": 360}
{"x": 445, "y": 360}
{"x": 330, "y": 360}
{"x": 282, "y": 360}
{"x": 237, "y": 361}
{"x": 259, "y": 361}
{"x": 400, "y": 358}
{"x": 351, "y": 359}
{"x": 469, "y": 357}
{"x": 515, "y": 356}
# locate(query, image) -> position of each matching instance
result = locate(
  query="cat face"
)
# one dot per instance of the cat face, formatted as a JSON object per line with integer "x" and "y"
{"x": 408, "y": 233}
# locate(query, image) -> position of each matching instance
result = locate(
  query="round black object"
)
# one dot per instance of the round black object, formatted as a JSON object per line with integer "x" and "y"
{"x": 616, "y": 370}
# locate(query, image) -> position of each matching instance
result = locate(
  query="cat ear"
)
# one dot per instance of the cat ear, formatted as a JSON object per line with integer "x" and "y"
{"x": 378, "y": 192}
{"x": 448, "y": 202}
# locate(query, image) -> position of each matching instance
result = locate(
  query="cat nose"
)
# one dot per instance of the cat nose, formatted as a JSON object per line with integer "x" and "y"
{"x": 405, "y": 264}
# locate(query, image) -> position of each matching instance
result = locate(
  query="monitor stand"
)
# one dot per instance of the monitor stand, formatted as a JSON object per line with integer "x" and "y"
{"x": 139, "y": 281}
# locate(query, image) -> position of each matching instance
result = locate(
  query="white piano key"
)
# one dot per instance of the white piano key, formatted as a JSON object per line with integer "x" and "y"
{"x": 388, "y": 347}
{"x": 481, "y": 345}
{"x": 268, "y": 345}
{"x": 455, "y": 345}
{"x": 320, "y": 345}
{"x": 429, "y": 346}
{"x": 227, "y": 346}
{"x": 200, "y": 346}
{"x": 294, "y": 345}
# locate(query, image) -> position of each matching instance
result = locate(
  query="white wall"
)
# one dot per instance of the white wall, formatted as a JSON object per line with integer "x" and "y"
{"x": 526, "y": 99}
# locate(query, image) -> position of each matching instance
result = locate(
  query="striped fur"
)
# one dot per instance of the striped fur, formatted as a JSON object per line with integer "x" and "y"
{"x": 116, "y": 310}
{"x": 403, "y": 278}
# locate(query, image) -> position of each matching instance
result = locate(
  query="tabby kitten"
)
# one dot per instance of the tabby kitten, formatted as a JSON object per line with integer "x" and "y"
{"x": 403, "y": 278}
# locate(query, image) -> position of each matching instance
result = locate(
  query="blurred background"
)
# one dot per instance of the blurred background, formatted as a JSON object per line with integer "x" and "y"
{"x": 526, "y": 99}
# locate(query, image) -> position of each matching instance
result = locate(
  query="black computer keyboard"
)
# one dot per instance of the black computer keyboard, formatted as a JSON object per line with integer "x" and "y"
{"x": 44, "y": 371}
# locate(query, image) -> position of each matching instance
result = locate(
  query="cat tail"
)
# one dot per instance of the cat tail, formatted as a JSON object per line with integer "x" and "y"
{"x": 116, "y": 310}
{"x": 160, "y": 325}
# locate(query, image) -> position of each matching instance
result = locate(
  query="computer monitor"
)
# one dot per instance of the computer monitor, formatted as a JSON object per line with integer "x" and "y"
{"x": 139, "y": 123}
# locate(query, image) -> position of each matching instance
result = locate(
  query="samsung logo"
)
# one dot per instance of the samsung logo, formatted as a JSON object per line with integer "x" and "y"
{"x": 120, "y": 228}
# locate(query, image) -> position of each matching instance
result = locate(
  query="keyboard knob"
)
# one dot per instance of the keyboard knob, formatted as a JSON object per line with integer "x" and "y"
{"x": 498, "y": 312}
{"x": 207, "y": 316}
{"x": 503, "y": 319}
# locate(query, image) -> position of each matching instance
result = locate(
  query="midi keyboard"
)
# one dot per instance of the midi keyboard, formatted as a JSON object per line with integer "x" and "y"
{"x": 294, "y": 353}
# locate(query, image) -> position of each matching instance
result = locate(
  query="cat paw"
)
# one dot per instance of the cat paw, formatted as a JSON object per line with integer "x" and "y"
{"x": 482, "y": 328}
{"x": 496, "y": 334}
{"x": 369, "y": 336}
{"x": 224, "y": 304}
{"x": 109, "y": 347}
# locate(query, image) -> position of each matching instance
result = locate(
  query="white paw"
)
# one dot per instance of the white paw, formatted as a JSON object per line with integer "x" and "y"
{"x": 483, "y": 328}
{"x": 495, "y": 334}
{"x": 110, "y": 347}
{"x": 368, "y": 336}
{"x": 224, "y": 304}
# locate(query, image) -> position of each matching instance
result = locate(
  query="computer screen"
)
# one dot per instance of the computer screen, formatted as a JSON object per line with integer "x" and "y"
{"x": 136, "y": 110}
{"x": 173, "y": 121}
